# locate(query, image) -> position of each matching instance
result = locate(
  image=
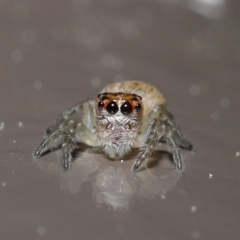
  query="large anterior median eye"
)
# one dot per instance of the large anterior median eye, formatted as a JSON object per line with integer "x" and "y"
{"x": 112, "y": 107}
{"x": 126, "y": 108}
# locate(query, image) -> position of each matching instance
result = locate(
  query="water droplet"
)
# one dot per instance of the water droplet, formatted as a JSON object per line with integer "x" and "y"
{"x": 225, "y": 102}
{"x": 37, "y": 84}
{"x": 193, "y": 208}
{"x": 41, "y": 230}
{"x": 2, "y": 124}
{"x": 195, "y": 234}
{"x": 96, "y": 82}
{"x": 195, "y": 90}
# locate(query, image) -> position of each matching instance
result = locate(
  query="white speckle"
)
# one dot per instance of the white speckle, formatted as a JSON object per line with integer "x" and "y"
{"x": 193, "y": 208}
{"x": 17, "y": 56}
{"x": 195, "y": 90}
{"x": 121, "y": 161}
{"x": 41, "y": 230}
{"x": 96, "y": 82}
{"x": 195, "y": 234}
{"x": 225, "y": 102}
{"x": 210, "y": 175}
{"x": 37, "y": 84}
{"x": 4, "y": 184}
{"x": 20, "y": 124}
{"x": 163, "y": 197}
{"x": 214, "y": 116}
{"x": 14, "y": 141}
{"x": 2, "y": 124}
{"x": 208, "y": 8}
{"x": 237, "y": 154}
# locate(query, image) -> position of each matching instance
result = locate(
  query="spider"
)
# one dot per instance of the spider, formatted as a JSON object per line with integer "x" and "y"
{"x": 126, "y": 115}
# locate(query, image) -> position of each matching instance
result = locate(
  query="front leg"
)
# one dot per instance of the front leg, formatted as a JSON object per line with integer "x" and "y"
{"x": 157, "y": 126}
{"x": 148, "y": 140}
{"x": 88, "y": 115}
{"x": 74, "y": 131}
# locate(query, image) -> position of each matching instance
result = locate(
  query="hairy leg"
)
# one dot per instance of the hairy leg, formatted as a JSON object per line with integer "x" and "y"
{"x": 151, "y": 136}
{"x": 88, "y": 115}
{"x": 160, "y": 125}
{"x": 72, "y": 131}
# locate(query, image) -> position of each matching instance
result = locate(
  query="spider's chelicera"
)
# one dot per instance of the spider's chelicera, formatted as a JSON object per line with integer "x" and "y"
{"x": 125, "y": 116}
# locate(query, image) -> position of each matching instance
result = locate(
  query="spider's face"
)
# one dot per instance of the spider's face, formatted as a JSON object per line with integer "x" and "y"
{"x": 118, "y": 117}
{"x": 119, "y": 104}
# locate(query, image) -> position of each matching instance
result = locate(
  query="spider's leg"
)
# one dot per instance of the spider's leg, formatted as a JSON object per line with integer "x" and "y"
{"x": 174, "y": 148}
{"x": 88, "y": 112}
{"x": 149, "y": 140}
{"x": 76, "y": 131}
{"x": 67, "y": 153}
{"x": 41, "y": 148}
{"x": 176, "y": 132}
{"x": 67, "y": 145}
{"x": 174, "y": 137}
{"x": 160, "y": 126}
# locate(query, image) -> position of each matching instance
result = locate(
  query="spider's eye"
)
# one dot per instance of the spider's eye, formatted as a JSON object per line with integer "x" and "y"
{"x": 138, "y": 106}
{"x": 100, "y": 104}
{"x": 112, "y": 107}
{"x": 126, "y": 108}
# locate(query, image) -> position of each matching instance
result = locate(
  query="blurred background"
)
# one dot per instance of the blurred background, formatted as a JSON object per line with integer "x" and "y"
{"x": 56, "y": 53}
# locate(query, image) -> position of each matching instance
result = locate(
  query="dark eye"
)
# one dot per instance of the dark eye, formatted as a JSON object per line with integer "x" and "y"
{"x": 100, "y": 104}
{"x": 138, "y": 106}
{"x": 112, "y": 108}
{"x": 126, "y": 108}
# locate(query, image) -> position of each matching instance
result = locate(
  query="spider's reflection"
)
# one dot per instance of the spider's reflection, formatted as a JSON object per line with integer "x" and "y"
{"x": 113, "y": 183}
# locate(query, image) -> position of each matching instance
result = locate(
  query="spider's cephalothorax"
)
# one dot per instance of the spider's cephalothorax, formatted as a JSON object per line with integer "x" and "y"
{"x": 117, "y": 122}
{"x": 118, "y": 118}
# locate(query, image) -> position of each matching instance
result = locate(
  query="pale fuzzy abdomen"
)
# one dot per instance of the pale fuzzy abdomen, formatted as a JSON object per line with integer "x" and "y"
{"x": 151, "y": 96}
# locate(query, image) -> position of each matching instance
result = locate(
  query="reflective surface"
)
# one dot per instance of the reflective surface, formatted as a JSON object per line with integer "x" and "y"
{"x": 112, "y": 183}
{"x": 56, "y": 53}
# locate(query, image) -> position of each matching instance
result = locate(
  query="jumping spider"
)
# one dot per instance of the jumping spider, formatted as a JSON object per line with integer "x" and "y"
{"x": 126, "y": 115}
